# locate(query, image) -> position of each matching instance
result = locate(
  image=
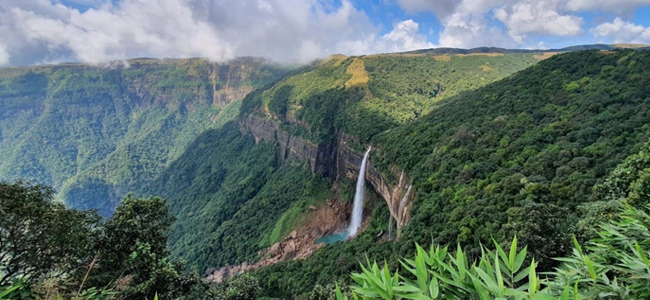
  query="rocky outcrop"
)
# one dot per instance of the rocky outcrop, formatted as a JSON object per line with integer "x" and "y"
{"x": 292, "y": 148}
{"x": 299, "y": 244}
{"x": 336, "y": 160}
{"x": 226, "y": 82}
{"x": 398, "y": 196}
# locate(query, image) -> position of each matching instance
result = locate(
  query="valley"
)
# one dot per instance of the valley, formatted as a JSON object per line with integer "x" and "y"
{"x": 257, "y": 161}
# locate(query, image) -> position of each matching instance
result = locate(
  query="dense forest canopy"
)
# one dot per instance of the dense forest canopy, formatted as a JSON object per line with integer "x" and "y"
{"x": 520, "y": 156}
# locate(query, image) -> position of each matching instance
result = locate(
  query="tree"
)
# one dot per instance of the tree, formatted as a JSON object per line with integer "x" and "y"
{"x": 39, "y": 237}
{"x": 546, "y": 230}
{"x": 244, "y": 287}
{"x": 133, "y": 249}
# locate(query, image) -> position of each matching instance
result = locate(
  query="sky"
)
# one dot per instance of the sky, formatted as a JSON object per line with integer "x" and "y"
{"x": 99, "y": 31}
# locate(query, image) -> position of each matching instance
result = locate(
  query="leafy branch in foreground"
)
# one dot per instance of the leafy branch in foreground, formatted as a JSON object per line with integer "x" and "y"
{"x": 613, "y": 266}
{"x": 439, "y": 274}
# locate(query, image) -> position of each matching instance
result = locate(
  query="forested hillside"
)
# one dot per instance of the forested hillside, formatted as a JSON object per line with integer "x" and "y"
{"x": 498, "y": 144}
{"x": 96, "y": 133}
{"x": 225, "y": 187}
{"x": 520, "y": 156}
{"x": 370, "y": 94}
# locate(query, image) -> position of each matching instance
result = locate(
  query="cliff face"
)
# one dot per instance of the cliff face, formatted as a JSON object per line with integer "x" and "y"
{"x": 227, "y": 82}
{"x": 335, "y": 160}
{"x": 321, "y": 158}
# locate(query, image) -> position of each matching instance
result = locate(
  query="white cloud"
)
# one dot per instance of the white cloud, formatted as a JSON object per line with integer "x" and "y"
{"x": 4, "y": 56}
{"x": 619, "y": 7}
{"x": 37, "y": 31}
{"x": 468, "y": 23}
{"x": 537, "y": 18}
{"x": 466, "y": 30}
{"x": 404, "y": 37}
{"x": 519, "y": 23}
{"x": 620, "y": 31}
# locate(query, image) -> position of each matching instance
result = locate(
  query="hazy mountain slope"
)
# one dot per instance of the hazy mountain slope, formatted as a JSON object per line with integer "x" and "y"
{"x": 95, "y": 133}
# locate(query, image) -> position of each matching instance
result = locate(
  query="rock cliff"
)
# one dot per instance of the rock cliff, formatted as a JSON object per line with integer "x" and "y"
{"x": 336, "y": 160}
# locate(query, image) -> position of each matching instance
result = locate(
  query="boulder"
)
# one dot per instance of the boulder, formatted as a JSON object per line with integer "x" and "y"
{"x": 275, "y": 249}
{"x": 290, "y": 249}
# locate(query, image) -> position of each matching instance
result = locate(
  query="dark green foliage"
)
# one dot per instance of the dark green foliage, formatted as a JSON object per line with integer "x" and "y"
{"x": 228, "y": 194}
{"x": 545, "y": 228}
{"x": 279, "y": 104}
{"x": 208, "y": 184}
{"x": 136, "y": 233}
{"x": 521, "y": 141}
{"x": 239, "y": 238}
{"x": 40, "y": 238}
{"x": 243, "y": 287}
{"x": 46, "y": 248}
{"x": 630, "y": 180}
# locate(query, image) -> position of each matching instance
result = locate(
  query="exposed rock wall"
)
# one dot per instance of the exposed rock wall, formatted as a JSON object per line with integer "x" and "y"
{"x": 292, "y": 148}
{"x": 226, "y": 82}
{"x": 299, "y": 244}
{"x": 335, "y": 160}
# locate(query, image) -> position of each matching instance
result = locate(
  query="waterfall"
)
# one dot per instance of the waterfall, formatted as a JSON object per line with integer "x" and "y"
{"x": 357, "y": 212}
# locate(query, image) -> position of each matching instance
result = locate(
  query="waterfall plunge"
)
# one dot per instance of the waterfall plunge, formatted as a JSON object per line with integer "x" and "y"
{"x": 357, "y": 212}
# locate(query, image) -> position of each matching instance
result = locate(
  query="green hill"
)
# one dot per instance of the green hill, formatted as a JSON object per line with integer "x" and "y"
{"x": 520, "y": 156}
{"x": 497, "y": 143}
{"x": 370, "y": 94}
{"x": 222, "y": 186}
{"x": 96, "y": 133}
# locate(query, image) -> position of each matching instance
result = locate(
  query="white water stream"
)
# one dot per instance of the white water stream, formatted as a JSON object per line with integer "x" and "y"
{"x": 357, "y": 211}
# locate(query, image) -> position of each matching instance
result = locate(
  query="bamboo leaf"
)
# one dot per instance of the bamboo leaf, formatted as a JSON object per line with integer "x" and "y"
{"x": 434, "y": 289}
{"x": 590, "y": 267}
{"x": 512, "y": 255}
{"x": 519, "y": 260}
{"x": 565, "y": 293}
{"x": 500, "y": 251}
{"x": 498, "y": 273}
{"x": 577, "y": 246}
{"x": 388, "y": 281}
{"x": 491, "y": 284}
{"x": 532, "y": 279}
{"x": 641, "y": 255}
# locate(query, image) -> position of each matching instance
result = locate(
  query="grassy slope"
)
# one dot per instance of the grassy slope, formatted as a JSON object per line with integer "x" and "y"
{"x": 364, "y": 96}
